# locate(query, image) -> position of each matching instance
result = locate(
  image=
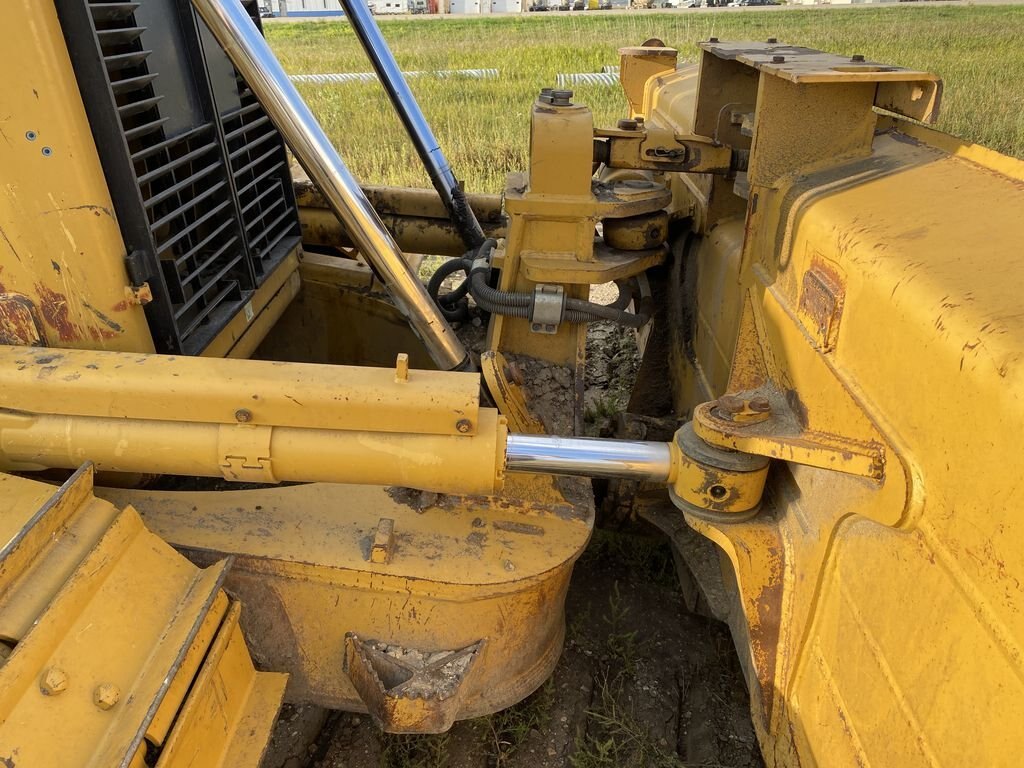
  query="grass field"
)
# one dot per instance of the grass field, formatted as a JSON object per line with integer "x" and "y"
{"x": 483, "y": 124}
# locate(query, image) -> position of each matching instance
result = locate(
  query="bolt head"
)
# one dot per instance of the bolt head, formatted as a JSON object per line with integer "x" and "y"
{"x": 760, "y": 404}
{"x": 712, "y": 39}
{"x": 54, "y": 681}
{"x": 464, "y": 425}
{"x": 106, "y": 695}
{"x": 772, "y": 40}
{"x": 857, "y": 57}
{"x": 778, "y": 59}
{"x": 561, "y": 97}
{"x": 730, "y": 404}
{"x": 243, "y": 415}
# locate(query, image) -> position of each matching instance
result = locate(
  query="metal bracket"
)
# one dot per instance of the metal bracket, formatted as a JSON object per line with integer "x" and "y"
{"x": 776, "y": 432}
{"x": 245, "y": 453}
{"x": 548, "y": 306}
{"x": 408, "y": 690}
{"x": 504, "y": 383}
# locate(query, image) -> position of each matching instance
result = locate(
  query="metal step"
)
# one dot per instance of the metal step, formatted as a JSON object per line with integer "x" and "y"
{"x": 123, "y": 652}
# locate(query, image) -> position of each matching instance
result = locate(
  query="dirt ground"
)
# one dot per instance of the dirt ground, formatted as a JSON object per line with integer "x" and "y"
{"x": 642, "y": 681}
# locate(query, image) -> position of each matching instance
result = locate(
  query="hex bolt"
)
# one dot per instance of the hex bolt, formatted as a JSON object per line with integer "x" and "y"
{"x": 778, "y": 59}
{"x": 54, "y": 681}
{"x": 464, "y": 425}
{"x": 773, "y": 40}
{"x": 712, "y": 39}
{"x": 730, "y": 404}
{"x": 106, "y": 696}
{"x": 628, "y": 125}
{"x": 857, "y": 57}
{"x": 760, "y": 404}
{"x": 243, "y": 415}
{"x": 546, "y": 91}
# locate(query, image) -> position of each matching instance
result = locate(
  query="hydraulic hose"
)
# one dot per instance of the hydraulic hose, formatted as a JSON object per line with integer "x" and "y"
{"x": 517, "y": 304}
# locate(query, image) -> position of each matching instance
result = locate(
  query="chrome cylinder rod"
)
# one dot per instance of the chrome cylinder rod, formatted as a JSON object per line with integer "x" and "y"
{"x": 589, "y": 457}
{"x": 241, "y": 40}
{"x": 408, "y": 109}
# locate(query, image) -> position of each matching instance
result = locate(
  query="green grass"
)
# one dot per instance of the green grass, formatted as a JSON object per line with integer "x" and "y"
{"x": 483, "y": 125}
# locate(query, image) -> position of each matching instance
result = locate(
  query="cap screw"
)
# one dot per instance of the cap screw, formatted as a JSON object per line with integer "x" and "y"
{"x": 53, "y": 682}
{"x": 464, "y": 425}
{"x": 106, "y": 695}
{"x": 712, "y": 39}
{"x": 243, "y": 415}
{"x": 773, "y": 40}
{"x": 857, "y": 57}
{"x": 778, "y": 59}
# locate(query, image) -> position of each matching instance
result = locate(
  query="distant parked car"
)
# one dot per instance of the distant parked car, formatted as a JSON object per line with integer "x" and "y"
{"x": 266, "y": 12}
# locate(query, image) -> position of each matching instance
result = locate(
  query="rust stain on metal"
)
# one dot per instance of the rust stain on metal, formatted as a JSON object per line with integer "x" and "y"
{"x": 18, "y": 322}
{"x": 764, "y": 615}
{"x": 822, "y": 296}
{"x": 54, "y": 308}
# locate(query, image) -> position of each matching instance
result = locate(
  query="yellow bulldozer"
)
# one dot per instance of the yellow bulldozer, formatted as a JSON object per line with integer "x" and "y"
{"x": 246, "y": 458}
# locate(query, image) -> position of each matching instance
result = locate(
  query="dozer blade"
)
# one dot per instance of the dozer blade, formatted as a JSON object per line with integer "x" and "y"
{"x": 117, "y": 650}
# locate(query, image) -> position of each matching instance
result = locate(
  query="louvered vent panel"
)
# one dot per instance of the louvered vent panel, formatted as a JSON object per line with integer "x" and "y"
{"x": 197, "y": 171}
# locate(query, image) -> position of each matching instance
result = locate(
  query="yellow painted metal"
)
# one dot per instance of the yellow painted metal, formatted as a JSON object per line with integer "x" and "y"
{"x": 416, "y": 218}
{"x": 247, "y": 329}
{"x": 637, "y": 65}
{"x": 62, "y": 277}
{"x": 410, "y": 692}
{"x": 120, "y": 626}
{"x": 881, "y": 620}
{"x": 460, "y": 570}
{"x": 716, "y": 489}
{"x": 342, "y": 315}
{"x": 508, "y": 393}
{"x": 781, "y": 437}
{"x": 228, "y": 695}
{"x": 254, "y": 392}
{"x": 260, "y": 453}
{"x": 553, "y": 212}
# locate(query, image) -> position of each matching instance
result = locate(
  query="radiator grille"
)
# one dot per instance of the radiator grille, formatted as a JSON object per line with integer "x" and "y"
{"x": 198, "y": 173}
